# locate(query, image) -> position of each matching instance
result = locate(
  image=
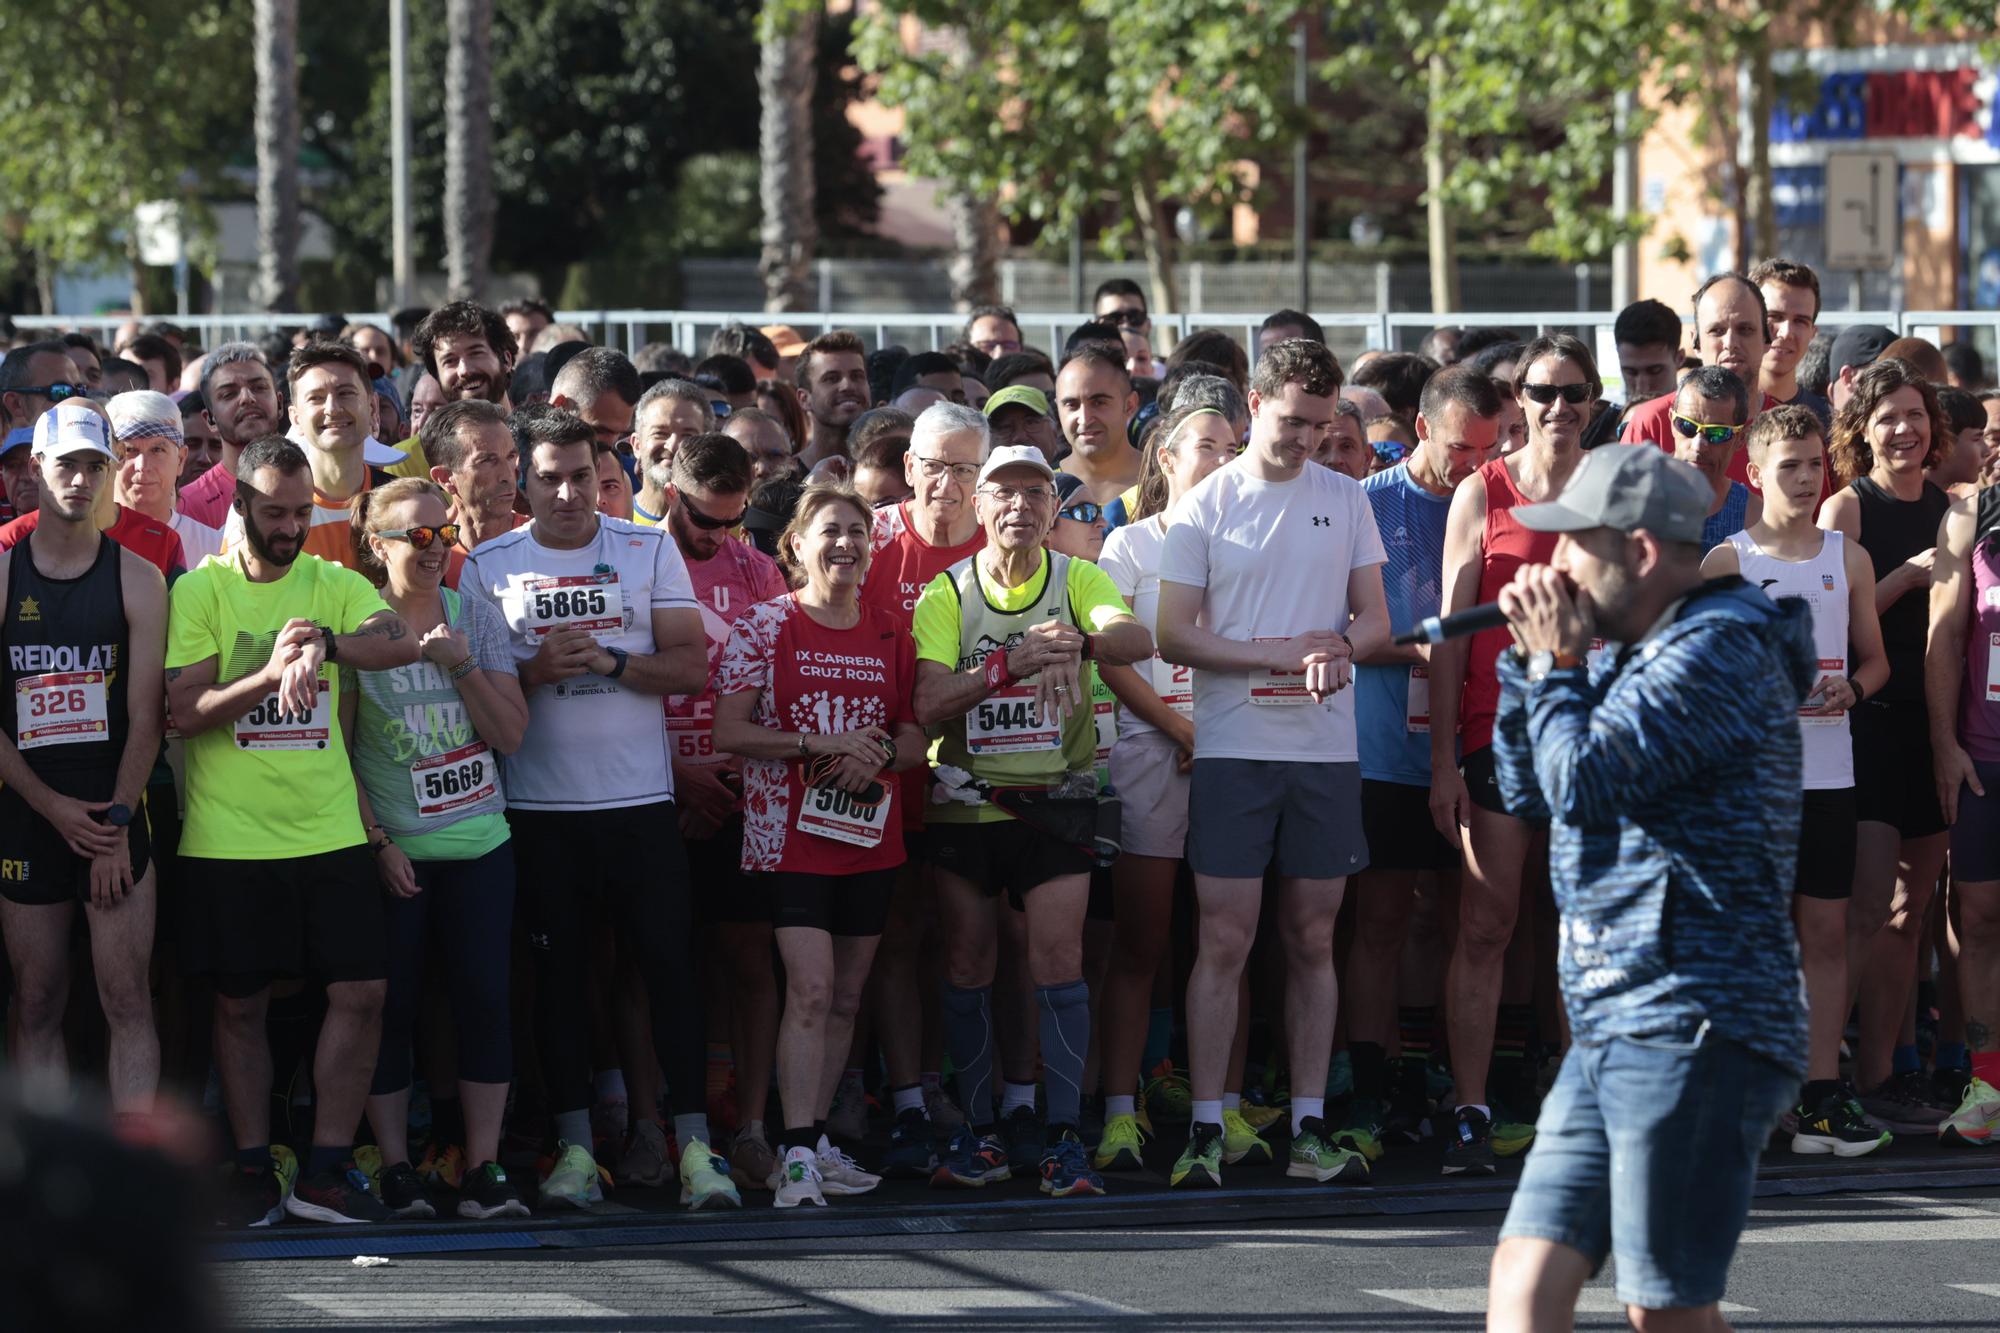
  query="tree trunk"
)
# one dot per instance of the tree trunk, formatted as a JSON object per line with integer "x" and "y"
{"x": 277, "y": 128}
{"x": 1760, "y": 214}
{"x": 786, "y": 70}
{"x": 1444, "y": 251}
{"x": 975, "y": 258}
{"x": 1157, "y": 236}
{"x": 468, "y": 147}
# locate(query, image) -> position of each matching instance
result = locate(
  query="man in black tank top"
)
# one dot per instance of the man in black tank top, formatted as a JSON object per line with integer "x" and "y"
{"x": 81, "y": 704}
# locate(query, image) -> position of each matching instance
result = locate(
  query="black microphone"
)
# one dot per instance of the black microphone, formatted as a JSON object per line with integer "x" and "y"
{"x": 1436, "y": 629}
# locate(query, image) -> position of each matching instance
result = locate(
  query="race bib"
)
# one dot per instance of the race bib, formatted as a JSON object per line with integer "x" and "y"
{"x": 1993, "y": 667}
{"x": 1106, "y": 716}
{"x": 60, "y": 708}
{"x": 1817, "y": 714}
{"x": 1419, "y": 712}
{"x": 1010, "y": 722}
{"x": 829, "y": 812}
{"x": 454, "y": 780}
{"x": 594, "y": 603}
{"x": 691, "y": 739}
{"x": 269, "y": 727}
{"x": 1174, "y": 684}
{"x": 1278, "y": 687}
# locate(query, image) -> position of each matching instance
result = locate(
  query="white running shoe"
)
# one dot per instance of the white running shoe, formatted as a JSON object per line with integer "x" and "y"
{"x": 841, "y": 1174}
{"x": 797, "y": 1180}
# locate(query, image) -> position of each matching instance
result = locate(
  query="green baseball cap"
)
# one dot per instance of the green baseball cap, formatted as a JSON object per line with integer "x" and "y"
{"x": 1018, "y": 395}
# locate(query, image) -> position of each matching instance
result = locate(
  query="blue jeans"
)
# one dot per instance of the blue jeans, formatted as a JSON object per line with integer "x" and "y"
{"x": 1647, "y": 1150}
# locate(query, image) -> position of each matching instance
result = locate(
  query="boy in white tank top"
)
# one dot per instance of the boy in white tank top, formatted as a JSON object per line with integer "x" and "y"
{"x": 1786, "y": 555}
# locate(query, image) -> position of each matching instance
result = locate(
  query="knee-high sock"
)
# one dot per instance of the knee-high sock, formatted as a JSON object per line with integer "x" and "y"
{"x": 1065, "y": 1027}
{"x": 968, "y": 1026}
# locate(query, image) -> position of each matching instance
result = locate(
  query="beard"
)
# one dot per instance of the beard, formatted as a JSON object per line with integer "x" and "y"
{"x": 280, "y": 551}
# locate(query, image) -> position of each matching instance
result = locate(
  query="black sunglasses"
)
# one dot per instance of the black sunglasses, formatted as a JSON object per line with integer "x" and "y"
{"x": 1083, "y": 511}
{"x": 1548, "y": 393}
{"x": 1130, "y": 319}
{"x": 55, "y": 393}
{"x": 701, "y": 520}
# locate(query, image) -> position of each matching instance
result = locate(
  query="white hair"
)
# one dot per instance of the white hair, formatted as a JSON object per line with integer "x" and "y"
{"x": 143, "y": 412}
{"x": 939, "y": 421}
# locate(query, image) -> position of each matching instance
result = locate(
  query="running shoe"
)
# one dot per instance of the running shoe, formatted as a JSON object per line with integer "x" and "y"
{"x": 572, "y": 1182}
{"x": 798, "y": 1180}
{"x": 751, "y": 1161}
{"x": 1948, "y": 1084}
{"x": 1361, "y": 1128}
{"x": 487, "y": 1194}
{"x": 644, "y": 1161}
{"x": 942, "y": 1110}
{"x": 848, "y": 1119}
{"x": 339, "y": 1195}
{"x": 1314, "y": 1156}
{"x": 1973, "y": 1124}
{"x": 1066, "y": 1170}
{"x": 705, "y": 1181}
{"x": 1261, "y": 1118}
{"x": 912, "y": 1149}
{"x": 1903, "y": 1104}
{"x": 402, "y": 1192}
{"x": 285, "y": 1166}
{"x": 1022, "y": 1130}
{"x": 1470, "y": 1150}
{"x": 610, "y": 1122}
{"x": 368, "y": 1158}
{"x": 1145, "y": 1119}
{"x": 1837, "y": 1126}
{"x": 1120, "y": 1147}
{"x": 1240, "y": 1141}
{"x": 1511, "y": 1137}
{"x": 250, "y": 1199}
{"x": 1200, "y": 1163}
{"x": 1408, "y": 1118}
{"x": 972, "y": 1160}
{"x": 841, "y": 1174}
{"x": 1168, "y": 1094}
{"x": 443, "y": 1168}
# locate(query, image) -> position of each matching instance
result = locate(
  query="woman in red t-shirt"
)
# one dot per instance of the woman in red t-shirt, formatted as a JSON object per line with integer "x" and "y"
{"x": 814, "y": 693}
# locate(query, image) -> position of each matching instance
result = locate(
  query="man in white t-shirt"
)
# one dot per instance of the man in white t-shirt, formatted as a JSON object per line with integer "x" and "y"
{"x": 1270, "y": 586}
{"x": 603, "y": 622}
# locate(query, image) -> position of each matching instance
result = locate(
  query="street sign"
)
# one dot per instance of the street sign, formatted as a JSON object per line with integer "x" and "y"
{"x": 1863, "y": 216}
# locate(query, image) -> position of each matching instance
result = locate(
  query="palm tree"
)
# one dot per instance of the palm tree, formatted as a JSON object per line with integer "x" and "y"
{"x": 785, "y": 72}
{"x": 277, "y": 127}
{"x": 975, "y": 251}
{"x": 468, "y": 146}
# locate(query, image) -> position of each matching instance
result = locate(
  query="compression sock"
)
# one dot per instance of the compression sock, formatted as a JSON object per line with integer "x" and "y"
{"x": 1905, "y": 1060}
{"x": 1065, "y": 1031}
{"x": 968, "y": 1026}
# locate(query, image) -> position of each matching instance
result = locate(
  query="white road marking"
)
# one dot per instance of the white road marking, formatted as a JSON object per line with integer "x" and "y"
{"x": 1872, "y": 1230}
{"x": 399, "y": 1308}
{"x": 1976, "y": 1288}
{"x": 1472, "y": 1300}
{"x": 943, "y": 1302}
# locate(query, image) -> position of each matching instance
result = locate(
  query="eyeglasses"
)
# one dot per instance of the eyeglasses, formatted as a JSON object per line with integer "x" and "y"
{"x": 1084, "y": 511}
{"x": 933, "y": 468}
{"x": 1711, "y": 432}
{"x": 55, "y": 393}
{"x": 1548, "y": 393}
{"x": 1127, "y": 318}
{"x": 421, "y": 538}
{"x": 703, "y": 521}
{"x": 1034, "y": 495}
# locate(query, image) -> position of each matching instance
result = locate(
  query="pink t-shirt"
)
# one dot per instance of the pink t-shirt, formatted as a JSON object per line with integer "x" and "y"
{"x": 206, "y": 499}
{"x": 726, "y": 585}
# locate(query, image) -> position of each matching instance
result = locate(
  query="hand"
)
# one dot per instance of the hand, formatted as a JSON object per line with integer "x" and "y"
{"x": 699, "y": 790}
{"x": 1184, "y": 762}
{"x": 111, "y": 875}
{"x": 1045, "y": 645}
{"x": 1835, "y": 692}
{"x": 291, "y": 640}
{"x": 563, "y": 654}
{"x": 1916, "y": 571}
{"x": 863, "y": 746}
{"x": 831, "y": 468}
{"x": 298, "y": 686}
{"x": 855, "y": 775}
{"x": 445, "y": 646}
{"x": 1327, "y": 674}
{"x": 1180, "y": 731}
{"x": 1544, "y": 615}
{"x": 1059, "y": 690}
{"x": 1954, "y": 770}
{"x": 1451, "y": 804}
{"x": 86, "y": 836}
{"x": 392, "y": 863}
{"x": 1295, "y": 654}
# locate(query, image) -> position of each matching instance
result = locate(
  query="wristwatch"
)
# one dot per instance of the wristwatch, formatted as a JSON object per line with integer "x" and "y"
{"x": 1540, "y": 664}
{"x": 326, "y": 637}
{"x": 118, "y": 816}
{"x": 619, "y": 657}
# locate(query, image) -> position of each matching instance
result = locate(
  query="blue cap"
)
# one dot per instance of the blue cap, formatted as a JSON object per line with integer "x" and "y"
{"x": 17, "y": 437}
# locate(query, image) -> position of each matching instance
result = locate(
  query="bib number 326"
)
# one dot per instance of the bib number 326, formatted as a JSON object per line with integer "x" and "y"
{"x": 60, "y": 708}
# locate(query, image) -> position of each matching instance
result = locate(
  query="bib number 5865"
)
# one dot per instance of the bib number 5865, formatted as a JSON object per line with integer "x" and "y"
{"x": 569, "y": 603}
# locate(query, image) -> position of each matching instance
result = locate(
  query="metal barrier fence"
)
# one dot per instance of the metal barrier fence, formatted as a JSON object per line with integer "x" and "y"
{"x": 689, "y": 330}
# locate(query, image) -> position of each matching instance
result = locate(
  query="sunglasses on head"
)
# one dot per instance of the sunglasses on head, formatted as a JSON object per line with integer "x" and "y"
{"x": 421, "y": 538}
{"x": 704, "y": 522}
{"x": 1548, "y": 393}
{"x": 1083, "y": 511}
{"x": 1711, "y": 432}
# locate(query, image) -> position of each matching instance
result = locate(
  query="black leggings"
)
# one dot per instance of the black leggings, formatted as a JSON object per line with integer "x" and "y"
{"x": 632, "y": 860}
{"x": 470, "y": 907}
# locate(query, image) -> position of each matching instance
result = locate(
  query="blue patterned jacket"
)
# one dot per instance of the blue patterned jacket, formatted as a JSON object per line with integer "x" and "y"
{"x": 1670, "y": 777}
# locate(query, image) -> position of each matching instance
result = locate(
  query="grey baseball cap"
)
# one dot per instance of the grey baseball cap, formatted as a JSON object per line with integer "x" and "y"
{"x": 1628, "y": 487}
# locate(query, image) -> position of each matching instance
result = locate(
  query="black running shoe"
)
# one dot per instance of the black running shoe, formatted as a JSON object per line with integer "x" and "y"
{"x": 485, "y": 1193}
{"x": 251, "y": 1199}
{"x": 403, "y": 1192}
{"x": 338, "y": 1195}
{"x": 1469, "y": 1151}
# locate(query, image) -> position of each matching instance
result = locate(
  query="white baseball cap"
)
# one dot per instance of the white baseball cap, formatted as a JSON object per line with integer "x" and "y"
{"x": 1016, "y": 455}
{"x": 72, "y": 428}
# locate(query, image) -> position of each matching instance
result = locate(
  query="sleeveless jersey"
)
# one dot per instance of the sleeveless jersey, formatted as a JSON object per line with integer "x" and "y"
{"x": 1821, "y": 582}
{"x": 1892, "y": 531}
{"x": 1979, "y": 697}
{"x": 1504, "y": 546}
{"x": 62, "y": 698}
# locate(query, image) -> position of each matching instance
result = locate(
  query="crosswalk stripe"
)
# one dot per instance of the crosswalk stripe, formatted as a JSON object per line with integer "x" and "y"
{"x": 402, "y": 1308}
{"x": 1472, "y": 1300}
{"x": 944, "y": 1302}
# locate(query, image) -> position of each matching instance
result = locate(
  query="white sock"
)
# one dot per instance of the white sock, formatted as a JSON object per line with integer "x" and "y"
{"x": 691, "y": 1128}
{"x": 1304, "y": 1108}
{"x": 1207, "y": 1113}
{"x": 1486, "y": 1111}
{"x": 1232, "y": 1101}
{"x": 909, "y": 1099}
{"x": 1016, "y": 1094}
{"x": 1127, "y": 1105}
{"x": 610, "y": 1085}
{"x": 754, "y": 1129}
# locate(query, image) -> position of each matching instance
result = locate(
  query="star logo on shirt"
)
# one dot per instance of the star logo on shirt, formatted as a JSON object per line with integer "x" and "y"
{"x": 30, "y": 609}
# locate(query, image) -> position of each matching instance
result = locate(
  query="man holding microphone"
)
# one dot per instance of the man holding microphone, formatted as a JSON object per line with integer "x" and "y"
{"x": 1670, "y": 776}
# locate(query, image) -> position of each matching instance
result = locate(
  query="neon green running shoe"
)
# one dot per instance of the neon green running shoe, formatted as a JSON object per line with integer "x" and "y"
{"x": 1240, "y": 1141}
{"x": 1314, "y": 1157}
{"x": 1119, "y": 1148}
{"x": 1200, "y": 1162}
{"x": 1261, "y": 1118}
{"x": 1361, "y": 1128}
{"x": 1168, "y": 1094}
{"x": 1973, "y": 1124}
{"x": 572, "y": 1181}
{"x": 1511, "y": 1138}
{"x": 705, "y": 1181}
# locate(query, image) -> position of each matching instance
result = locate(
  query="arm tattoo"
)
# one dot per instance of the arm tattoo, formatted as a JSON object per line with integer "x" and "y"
{"x": 173, "y": 673}
{"x": 391, "y": 629}
{"x": 1978, "y": 1035}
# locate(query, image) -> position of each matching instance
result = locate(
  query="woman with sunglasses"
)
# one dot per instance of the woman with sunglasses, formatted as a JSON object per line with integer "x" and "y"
{"x": 1555, "y": 382}
{"x": 425, "y": 741}
{"x": 814, "y": 692}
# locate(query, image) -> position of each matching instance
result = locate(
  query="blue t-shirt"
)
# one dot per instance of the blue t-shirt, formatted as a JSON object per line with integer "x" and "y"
{"x": 1411, "y": 521}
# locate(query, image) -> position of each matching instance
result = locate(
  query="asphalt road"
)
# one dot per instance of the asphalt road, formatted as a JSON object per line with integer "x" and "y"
{"x": 1881, "y": 1261}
